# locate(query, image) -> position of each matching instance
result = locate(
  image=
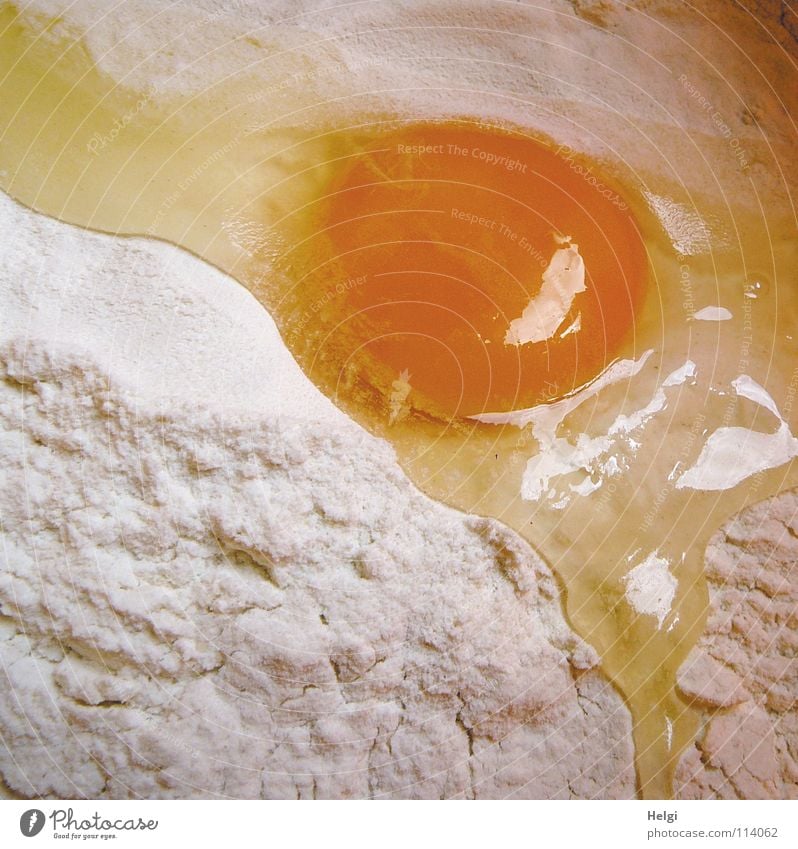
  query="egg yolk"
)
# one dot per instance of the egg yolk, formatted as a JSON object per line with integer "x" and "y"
{"x": 485, "y": 269}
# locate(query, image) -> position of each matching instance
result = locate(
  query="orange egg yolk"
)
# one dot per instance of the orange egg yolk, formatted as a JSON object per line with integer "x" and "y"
{"x": 445, "y": 236}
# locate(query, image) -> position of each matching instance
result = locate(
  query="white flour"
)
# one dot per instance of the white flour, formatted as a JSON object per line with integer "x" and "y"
{"x": 215, "y": 583}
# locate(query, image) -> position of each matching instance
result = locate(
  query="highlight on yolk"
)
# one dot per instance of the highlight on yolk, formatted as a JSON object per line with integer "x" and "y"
{"x": 474, "y": 269}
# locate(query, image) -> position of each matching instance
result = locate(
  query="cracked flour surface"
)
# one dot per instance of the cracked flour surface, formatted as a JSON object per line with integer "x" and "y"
{"x": 743, "y": 673}
{"x": 215, "y": 584}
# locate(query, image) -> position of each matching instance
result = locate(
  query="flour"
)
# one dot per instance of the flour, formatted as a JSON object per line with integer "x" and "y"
{"x": 688, "y": 232}
{"x": 217, "y": 585}
{"x": 651, "y": 587}
{"x": 742, "y": 673}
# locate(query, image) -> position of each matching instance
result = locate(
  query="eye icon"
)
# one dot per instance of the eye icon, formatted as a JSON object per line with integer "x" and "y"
{"x": 31, "y": 822}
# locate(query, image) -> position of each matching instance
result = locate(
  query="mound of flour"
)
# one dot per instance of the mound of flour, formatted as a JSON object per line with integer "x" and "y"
{"x": 216, "y": 584}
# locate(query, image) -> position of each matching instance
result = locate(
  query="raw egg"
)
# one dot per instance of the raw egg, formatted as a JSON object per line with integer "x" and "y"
{"x": 481, "y": 265}
{"x": 482, "y": 297}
